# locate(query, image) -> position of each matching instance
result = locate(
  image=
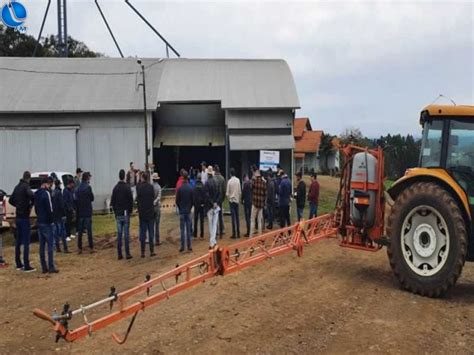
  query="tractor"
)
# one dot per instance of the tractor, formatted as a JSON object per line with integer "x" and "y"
{"x": 430, "y": 228}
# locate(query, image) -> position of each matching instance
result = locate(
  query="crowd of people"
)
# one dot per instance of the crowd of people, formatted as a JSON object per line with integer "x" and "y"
{"x": 265, "y": 197}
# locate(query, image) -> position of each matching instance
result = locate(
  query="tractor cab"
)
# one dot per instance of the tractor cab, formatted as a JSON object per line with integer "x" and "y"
{"x": 448, "y": 143}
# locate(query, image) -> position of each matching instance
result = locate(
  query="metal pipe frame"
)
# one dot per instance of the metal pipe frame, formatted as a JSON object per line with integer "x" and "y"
{"x": 108, "y": 27}
{"x": 41, "y": 29}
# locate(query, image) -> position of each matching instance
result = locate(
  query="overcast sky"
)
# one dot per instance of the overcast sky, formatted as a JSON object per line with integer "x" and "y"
{"x": 371, "y": 65}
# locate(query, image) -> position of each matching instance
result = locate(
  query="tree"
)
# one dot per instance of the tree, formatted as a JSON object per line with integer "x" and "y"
{"x": 326, "y": 148}
{"x": 16, "y": 44}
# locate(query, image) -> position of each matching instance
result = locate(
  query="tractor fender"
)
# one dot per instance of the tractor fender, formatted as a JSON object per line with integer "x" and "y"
{"x": 439, "y": 176}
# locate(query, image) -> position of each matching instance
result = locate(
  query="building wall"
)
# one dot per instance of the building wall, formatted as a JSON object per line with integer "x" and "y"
{"x": 105, "y": 143}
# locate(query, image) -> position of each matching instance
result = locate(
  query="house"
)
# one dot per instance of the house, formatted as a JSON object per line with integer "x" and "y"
{"x": 63, "y": 113}
{"x": 307, "y": 143}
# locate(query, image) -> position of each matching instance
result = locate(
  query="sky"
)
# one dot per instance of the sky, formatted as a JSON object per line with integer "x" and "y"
{"x": 371, "y": 65}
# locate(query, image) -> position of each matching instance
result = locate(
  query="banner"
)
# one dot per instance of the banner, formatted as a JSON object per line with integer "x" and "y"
{"x": 269, "y": 159}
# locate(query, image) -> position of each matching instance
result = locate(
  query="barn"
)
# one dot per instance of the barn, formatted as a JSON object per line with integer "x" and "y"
{"x": 63, "y": 113}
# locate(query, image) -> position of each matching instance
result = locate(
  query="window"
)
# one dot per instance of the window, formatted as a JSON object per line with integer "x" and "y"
{"x": 460, "y": 158}
{"x": 431, "y": 145}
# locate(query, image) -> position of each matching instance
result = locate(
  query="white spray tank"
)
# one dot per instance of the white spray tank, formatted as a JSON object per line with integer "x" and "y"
{"x": 362, "y": 193}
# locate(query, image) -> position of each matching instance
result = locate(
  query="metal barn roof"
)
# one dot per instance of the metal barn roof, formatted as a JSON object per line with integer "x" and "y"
{"x": 111, "y": 84}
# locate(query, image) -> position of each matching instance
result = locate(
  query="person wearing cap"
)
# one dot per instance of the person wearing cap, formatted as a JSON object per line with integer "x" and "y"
{"x": 199, "y": 199}
{"x": 122, "y": 204}
{"x": 300, "y": 195}
{"x": 284, "y": 198}
{"x": 220, "y": 181}
{"x": 84, "y": 199}
{"x": 22, "y": 198}
{"x": 44, "y": 219}
{"x": 59, "y": 217}
{"x": 157, "y": 205}
{"x": 211, "y": 205}
{"x": 184, "y": 201}
{"x": 259, "y": 195}
{"x": 234, "y": 193}
{"x": 68, "y": 197}
{"x": 146, "y": 214}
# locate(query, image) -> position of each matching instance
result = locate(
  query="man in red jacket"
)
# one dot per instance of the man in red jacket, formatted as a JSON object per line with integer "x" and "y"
{"x": 313, "y": 196}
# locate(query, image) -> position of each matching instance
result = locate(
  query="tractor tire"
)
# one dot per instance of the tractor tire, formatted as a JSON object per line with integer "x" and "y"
{"x": 427, "y": 239}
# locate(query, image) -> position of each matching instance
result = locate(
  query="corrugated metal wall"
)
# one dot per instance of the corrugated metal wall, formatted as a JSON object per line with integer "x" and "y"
{"x": 106, "y": 143}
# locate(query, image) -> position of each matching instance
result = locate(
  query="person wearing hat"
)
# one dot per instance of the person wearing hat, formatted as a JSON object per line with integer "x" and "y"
{"x": 22, "y": 198}
{"x": 84, "y": 199}
{"x": 211, "y": 205}
{"x": 157, "y": 205}
{"x": 122, "y": 204}
{"x": 59, "y": 217}
{"x": 259, "y": 195}
{"x": 199, "y": 199}
{"x": 300, "y": 195}
{"x": 44, "y": 219}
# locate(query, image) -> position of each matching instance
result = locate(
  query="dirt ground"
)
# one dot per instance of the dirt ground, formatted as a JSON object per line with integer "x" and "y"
{"x": 332, "y": 300}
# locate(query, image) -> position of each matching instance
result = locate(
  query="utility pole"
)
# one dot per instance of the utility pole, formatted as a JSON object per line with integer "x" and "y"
{"x": 62, "y": 28}
{"x": 147, "y": 151}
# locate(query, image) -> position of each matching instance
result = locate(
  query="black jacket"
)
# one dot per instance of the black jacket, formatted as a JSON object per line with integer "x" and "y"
{"x": 84, "y": 199}
{"x": 145, "y": 198}
{"x": 122, "y": 199}
{"x": 271, "y": 191}
{"x": 43, "y": 206}
{"x": 68, "y": 198}
{"x": 301, "y": 194}
{"x": 211, "y": 191}
{"x": 22, "y": 198}
{"x": 184, "y": 198}
{"x": 247, "y": 193}
{"x": 59, "y": 210}
{"x": 199, "y": 197}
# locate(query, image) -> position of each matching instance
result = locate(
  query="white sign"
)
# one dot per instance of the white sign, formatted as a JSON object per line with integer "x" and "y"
{"x": 269, "y": 159}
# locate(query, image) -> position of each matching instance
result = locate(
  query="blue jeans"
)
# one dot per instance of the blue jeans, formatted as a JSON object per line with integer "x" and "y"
{"x": 60, "y": 234}
{"x": 85, "y": 223}
{"x": 123, "y": 230}
{"x": 186, "y": 231}
{"x": 234, "y": 213}
{"x": 147, "y": 226}
{"x": 23, "y": 237}
{"x": 299, "y": 213}
{"x": 45, "y": 233}
{"x": 269, "y": 210}
{"x": 313, "y": 209}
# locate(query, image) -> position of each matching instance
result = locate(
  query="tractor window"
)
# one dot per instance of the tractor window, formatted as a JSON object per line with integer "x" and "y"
{"x": 431, "y": 144}
{"x": 460, "y": 159}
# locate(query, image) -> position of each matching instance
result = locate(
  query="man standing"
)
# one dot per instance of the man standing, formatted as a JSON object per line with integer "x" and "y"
{"x": 212, "y": 208}
{"x": 259, "y": 194}
{"x": 270, "y": 198}
{"x": 122, "y": 204}
{"x": 233, "y": 195}
{"x": 146, "y": 214}
{"x": 84, "y": 199}
{"x": 44, "y": 215}
{"x": 184, "y": 201}
{"x": 157, "y": 205}
{"x": 59, "y": 217}
{"x": 22, "y": 198}
{"x": 204, "y": 172}
{"x": 284, "y": 197}
{"x": 199, "y": 199}
{"x": 313, "y": 196}
{"x": 300, "y": 195}
{"x": 131, "y": 179}
{"x": 247, "y": 201}
{"x": 68, "y": 198}
{"x": 77, "y": 183}
{"x": 220, "y": 181}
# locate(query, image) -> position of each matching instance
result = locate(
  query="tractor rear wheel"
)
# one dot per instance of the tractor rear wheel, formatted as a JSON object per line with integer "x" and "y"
{"x": 427, "y": 239}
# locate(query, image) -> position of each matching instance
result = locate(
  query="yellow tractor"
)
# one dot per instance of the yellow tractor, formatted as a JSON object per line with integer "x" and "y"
{"x": 430, "y": 228}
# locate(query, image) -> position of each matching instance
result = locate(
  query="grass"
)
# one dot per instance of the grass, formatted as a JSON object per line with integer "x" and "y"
{"x": 104, "y": 225}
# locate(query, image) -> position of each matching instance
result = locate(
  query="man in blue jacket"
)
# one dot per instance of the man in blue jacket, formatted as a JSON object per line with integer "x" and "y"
{"x": 44, "y": 214}
{"x": 84, "y": 199}
{"x": 284, "y": 195}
